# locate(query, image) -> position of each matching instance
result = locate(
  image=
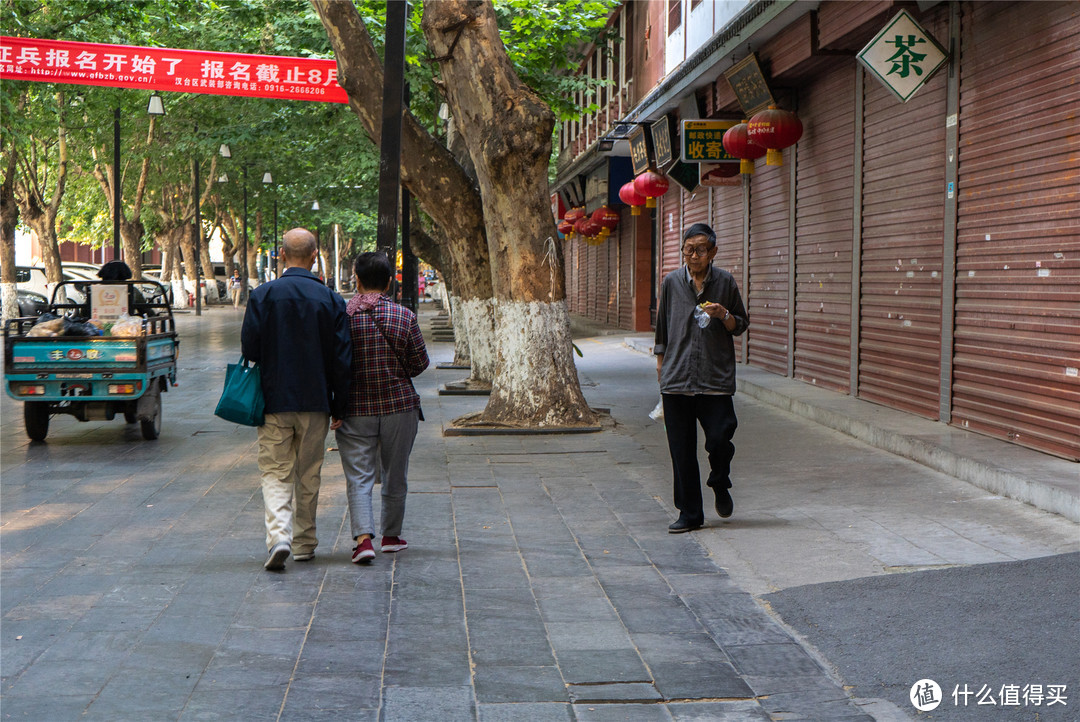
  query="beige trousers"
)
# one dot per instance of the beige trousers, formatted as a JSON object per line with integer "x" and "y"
{"x": 291, "y": 446}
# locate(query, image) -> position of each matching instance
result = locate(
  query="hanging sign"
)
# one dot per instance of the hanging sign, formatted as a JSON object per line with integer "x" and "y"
{"x": 903, "y": 56}
{"x": 661, "y": 140}
{"x": 749, "y": 84}
{"x": 185, "y": 71}
{"x": 703, "y": 141}
{"x": 639, "y": 150}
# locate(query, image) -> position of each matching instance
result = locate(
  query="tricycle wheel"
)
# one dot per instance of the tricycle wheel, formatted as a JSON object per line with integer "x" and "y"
{"x": 151, "y": 428}
{"x": 36, "y": 417}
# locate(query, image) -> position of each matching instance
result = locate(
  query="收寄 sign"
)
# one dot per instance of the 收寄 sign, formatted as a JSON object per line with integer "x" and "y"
{"x": 185, "y": 71}
{"x": 702, "y": 141}
{"x": 903, "y": 56}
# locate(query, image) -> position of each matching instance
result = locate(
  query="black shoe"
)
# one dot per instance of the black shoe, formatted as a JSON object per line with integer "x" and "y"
{"x": 681, "y": 526}
{"x": 724, "y": 504}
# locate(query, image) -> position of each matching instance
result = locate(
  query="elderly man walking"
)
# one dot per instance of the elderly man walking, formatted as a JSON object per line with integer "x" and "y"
{"x": 296, "y": 329}
{"x": 699, "y": 314}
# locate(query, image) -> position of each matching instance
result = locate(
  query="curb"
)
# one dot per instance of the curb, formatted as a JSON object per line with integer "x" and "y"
{"x": 1015, "y": 473}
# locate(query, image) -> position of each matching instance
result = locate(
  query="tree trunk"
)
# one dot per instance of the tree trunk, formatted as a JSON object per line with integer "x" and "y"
{"x": 186, "y": 242}
{"x": 208, "y": 272}
{"x": 255, "y": 248}
{"x": 131, "y": 237}
{"x": 38, "y": 212}
{"x": 428, "y": 169}
{"x": 165, "y": 242}
{"x": 462, "y": 349}
{"x": 9, "y": 219}
{"x": 507, "y": 129}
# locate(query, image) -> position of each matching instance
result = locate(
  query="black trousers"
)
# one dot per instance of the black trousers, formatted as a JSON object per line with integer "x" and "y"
{"x": 682, "y": 414}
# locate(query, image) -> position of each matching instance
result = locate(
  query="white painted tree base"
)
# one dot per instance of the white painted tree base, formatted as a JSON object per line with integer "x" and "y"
{"x": 462, "y": 348}
{"x": 536, "y": 382}
{"x": 479, "y": 317}
{"x": 9, "y": 299}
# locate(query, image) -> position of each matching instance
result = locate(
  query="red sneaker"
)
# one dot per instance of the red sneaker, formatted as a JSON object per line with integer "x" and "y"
{"x": 393, "y": 544}
{"x": 363, "y": 552}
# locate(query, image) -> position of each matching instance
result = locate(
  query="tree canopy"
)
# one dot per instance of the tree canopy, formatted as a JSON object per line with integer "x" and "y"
{"x": 313, "y": 151}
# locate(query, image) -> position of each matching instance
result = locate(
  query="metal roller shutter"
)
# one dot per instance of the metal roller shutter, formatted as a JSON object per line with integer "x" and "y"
{"x": 823, "y": 230}
{"x": 573, "y": 265}
{"x": 727, "y": 221}
{"x": 670, "y": 215}
{"x": 591, "y": 281}
{"x": 902, "y": 230}
{"x": 625, "y": 234}
{"x": 611, "y": 316}
{"x": 767, "y": 299}
{"x": 1017, "y": 337}
{"x": 695, "y": 208}
{"x": 602, "y": 282}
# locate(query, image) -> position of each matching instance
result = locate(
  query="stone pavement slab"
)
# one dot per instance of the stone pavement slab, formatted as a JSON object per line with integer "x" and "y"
{"x": 540, "y": 581}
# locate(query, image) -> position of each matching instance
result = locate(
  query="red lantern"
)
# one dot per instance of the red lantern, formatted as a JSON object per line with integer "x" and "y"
{"x": 574, "y": 214}
{"x": 652, "y": 185}
{"x": 774, "y": 129}
{"x": 606, "y": 218}
{"x": 737, "y": 144}
{"x": 629, "y": 195}
{"x": 566, "y": 228}
{"x": 580, "y": 225}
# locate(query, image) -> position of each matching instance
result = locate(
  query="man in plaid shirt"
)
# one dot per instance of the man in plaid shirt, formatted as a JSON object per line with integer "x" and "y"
{"x": 376, "y": 436}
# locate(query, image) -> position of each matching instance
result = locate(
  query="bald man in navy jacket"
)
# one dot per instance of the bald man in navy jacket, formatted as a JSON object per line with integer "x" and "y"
{"x": 297, "y": 330}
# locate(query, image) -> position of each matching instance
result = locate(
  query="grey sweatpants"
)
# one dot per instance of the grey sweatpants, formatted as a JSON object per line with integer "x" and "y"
{"x": 377, "y": 448}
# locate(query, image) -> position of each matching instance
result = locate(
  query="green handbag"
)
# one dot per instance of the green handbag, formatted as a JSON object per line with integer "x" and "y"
{"x": 242, "y": 398}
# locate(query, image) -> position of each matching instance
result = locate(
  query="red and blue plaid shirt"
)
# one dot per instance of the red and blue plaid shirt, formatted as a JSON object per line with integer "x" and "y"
{"x": 380, "y": 385}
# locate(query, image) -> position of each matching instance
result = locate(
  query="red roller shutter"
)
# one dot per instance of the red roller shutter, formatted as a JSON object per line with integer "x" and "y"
{"x": 823, "y": 230}
{"x": 611, "y": 245}
{"x": 670, "y": 216}
{"x": 695, "y": 207}
{"x": 1017, "y": 337}
{"x": 770, "y": 206}
{"x": 903, "y": 221}
{"x": 573, "y": 263}
{"x": 591, "y": 269}
{"x": 625, "y": 234}
{"x": 727, "y": 221}
{"x": 602, "y": 283}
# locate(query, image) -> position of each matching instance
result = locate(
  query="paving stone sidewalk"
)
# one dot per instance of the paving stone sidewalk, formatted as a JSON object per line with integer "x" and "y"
{"x": 540, "y": 582}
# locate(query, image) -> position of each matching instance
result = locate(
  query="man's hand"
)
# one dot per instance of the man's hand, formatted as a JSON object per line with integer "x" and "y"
{"x": 659, "y": 365}
{"x": 335, "y": 424}
{"x": 716, "y": 310}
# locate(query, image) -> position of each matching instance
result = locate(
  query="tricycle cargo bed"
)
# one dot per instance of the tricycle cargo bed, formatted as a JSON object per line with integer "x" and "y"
{"x": 91, "y": 377}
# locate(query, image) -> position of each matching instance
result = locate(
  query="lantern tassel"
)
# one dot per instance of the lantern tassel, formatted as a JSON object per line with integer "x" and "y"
{"x": 774, "y": 157}
{"x": 746, "y": 166}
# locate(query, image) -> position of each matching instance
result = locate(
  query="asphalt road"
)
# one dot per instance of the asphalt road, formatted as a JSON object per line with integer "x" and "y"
{"x": 989, "y": 626}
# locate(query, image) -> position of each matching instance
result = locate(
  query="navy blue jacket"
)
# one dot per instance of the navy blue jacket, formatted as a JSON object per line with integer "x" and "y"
{"x": 297, "y": 330}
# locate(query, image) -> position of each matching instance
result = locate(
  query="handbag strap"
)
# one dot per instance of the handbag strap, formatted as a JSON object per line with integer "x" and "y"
{"x": 398, "y": 356}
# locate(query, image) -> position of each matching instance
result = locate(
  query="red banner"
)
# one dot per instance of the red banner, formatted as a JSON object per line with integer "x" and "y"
{"x": 183, "y": 71}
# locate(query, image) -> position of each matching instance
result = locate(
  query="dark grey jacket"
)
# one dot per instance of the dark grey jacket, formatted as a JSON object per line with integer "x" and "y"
{"x": 697, "y": 360}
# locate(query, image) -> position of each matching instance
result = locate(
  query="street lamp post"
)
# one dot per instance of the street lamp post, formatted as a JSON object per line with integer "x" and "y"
{"x": 268, "y": 180}
{"x": 116, "y": 184}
